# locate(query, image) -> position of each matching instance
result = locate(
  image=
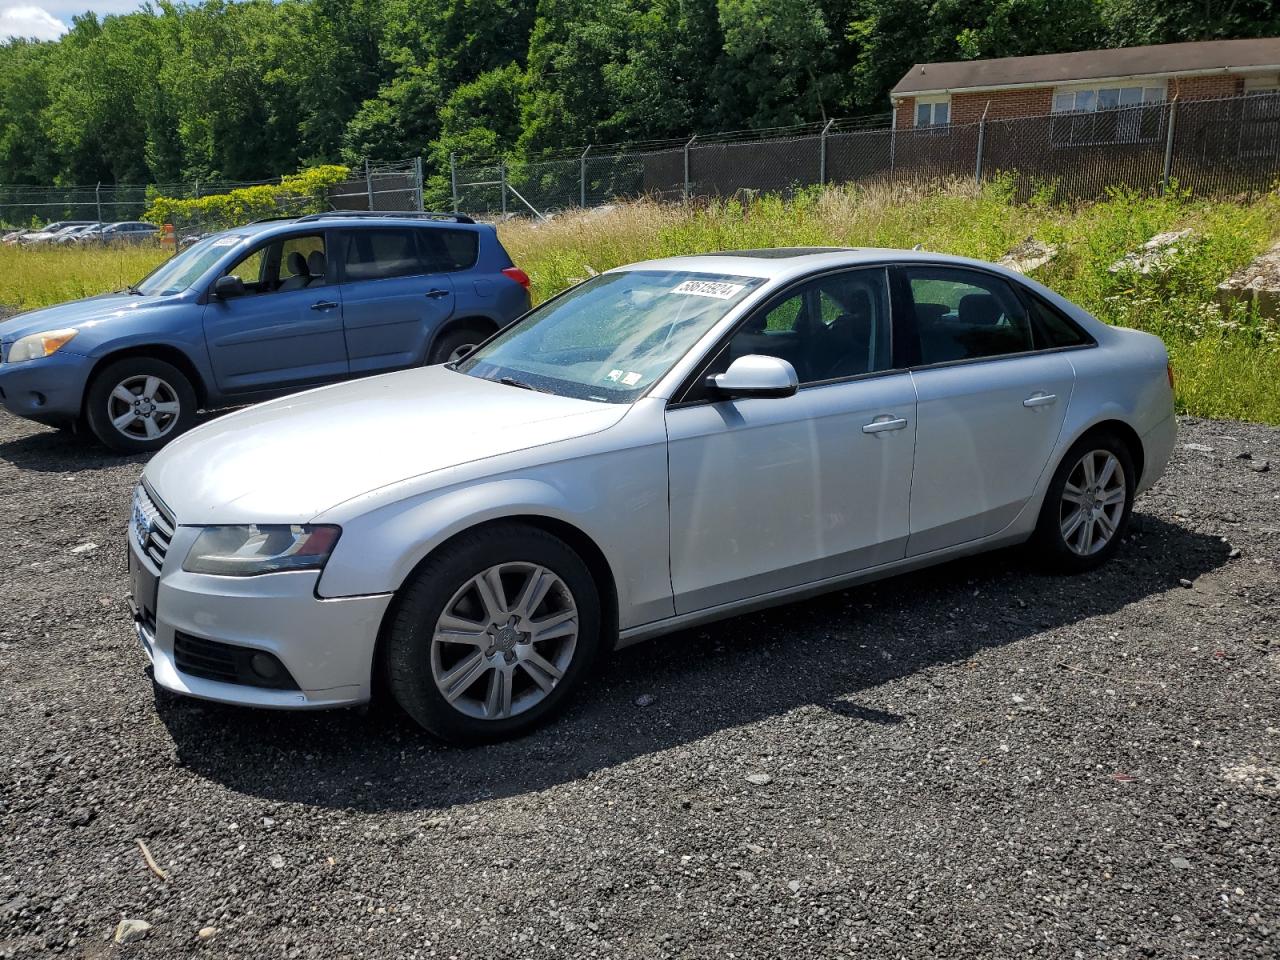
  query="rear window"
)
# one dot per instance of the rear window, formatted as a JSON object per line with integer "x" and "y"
{"x": 1054, "y": 329}
{"x": 448, "y": 250}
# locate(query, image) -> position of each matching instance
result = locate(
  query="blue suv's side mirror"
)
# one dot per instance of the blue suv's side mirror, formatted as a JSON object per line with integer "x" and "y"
{"x": 227, "y": 287}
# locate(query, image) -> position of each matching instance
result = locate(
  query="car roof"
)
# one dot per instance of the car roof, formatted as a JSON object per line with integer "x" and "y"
{"x": 337, "y": 218}
{"x": 784, "y": 263}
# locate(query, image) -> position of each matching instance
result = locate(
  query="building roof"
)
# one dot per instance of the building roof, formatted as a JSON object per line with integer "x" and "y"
{"x": 1206, "y": 57}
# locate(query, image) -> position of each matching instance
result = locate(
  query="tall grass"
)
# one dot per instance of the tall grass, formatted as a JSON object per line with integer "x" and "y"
{"x": 1226, "y": 358}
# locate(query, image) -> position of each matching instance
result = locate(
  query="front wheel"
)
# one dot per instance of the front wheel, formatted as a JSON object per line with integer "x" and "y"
{"x": 492, "y": 633}
{"x": 138, "y": 404}
{"x": 1087, "y": 506}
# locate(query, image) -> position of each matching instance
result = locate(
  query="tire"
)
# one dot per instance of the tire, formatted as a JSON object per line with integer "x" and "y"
{"x": 448, "y": 345}
{"x": 171, "y": 409}
{"x": 449, "y": 652}
{"x": 1081, "y": 525}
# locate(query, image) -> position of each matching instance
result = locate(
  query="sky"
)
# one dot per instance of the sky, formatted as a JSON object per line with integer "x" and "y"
{"x": 49, "y": 19}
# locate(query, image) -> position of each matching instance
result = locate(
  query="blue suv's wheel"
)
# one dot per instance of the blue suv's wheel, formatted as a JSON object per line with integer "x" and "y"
{"x": 138, "y": 404}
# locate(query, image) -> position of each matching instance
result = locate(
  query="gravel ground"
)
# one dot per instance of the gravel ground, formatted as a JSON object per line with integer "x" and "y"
{"x": 971, "y": 761}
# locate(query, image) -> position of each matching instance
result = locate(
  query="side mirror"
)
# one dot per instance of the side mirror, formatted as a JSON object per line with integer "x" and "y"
{"x": 228, "y": 287}
{"x": 756, "y": 376}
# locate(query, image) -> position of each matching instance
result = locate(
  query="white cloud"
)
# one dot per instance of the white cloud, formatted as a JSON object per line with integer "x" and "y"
{"x": 30, "y": 22}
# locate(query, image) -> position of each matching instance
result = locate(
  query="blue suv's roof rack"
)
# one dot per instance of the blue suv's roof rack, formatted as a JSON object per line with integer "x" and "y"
{"x": 399, "y": 214}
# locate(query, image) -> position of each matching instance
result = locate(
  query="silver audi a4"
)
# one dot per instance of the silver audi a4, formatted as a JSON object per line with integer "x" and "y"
{"x": 669, "y": 443}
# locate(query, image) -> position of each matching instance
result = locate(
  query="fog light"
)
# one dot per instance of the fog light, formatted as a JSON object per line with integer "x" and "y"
{"x": 265, "y": 665}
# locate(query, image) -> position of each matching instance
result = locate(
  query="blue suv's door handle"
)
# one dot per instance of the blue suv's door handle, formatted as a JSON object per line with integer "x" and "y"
{"x": 324, "y": 305}
{"x": 436, "y": 294}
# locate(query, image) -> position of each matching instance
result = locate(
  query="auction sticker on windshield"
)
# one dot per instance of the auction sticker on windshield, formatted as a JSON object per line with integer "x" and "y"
{"x": 709, "y": 288}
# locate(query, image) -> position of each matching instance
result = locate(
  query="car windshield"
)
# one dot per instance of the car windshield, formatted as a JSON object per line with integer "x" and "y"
{"x": 610, "y": 338}
{"x": 174, "y": 276}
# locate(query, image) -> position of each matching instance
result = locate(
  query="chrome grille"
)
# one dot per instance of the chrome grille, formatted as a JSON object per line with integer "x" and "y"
{"x": 151, "y": 526}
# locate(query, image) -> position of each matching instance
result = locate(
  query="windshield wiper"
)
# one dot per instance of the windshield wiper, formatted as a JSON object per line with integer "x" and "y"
{"x": 513, "y": 382}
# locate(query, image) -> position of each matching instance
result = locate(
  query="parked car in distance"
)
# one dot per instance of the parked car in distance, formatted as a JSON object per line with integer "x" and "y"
{"x": 666, "y": 444}
{"x": 131, "y": 232}
{"x": 51, "y": 232}
{"x": 75, "y": 234}
{"x": 259, "y": 311}
{"x": 13, "y": 236}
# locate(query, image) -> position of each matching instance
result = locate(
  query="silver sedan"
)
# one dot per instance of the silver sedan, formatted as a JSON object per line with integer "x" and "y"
{"x": 669, "y": 443}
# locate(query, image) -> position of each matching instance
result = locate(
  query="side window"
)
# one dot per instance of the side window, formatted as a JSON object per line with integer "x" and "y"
{"x": 293, "y": 263}
{"x": 446, "y": 250}
{"x": 251, "y": 271}
{"x": 833, "y": 327}
{"x": 1052, "y": 328}
{"x": 380, "y": 254}
{"x": 963, "y": 315}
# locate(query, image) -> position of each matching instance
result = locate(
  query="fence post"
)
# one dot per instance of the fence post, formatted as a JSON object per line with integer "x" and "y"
{"x": 502, "y": 179}
{"x": 1168, "y": 148}
{"x": 822, "y": 154}
{"x": 417, "y": 177}
{"x": 582, "y": 177}
{"x": 97, "y": 199}
{"x": 453, "y": 179}
{"x": 368, "y": 182}
{"x": 686, "y": 166}
{"x": 893, "y": 139}
{"x": 982, "y": 136}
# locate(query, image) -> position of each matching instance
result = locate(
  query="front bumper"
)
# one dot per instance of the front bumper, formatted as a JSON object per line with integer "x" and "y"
{"x": 49, "y": 390}
{"x": 326, "y": 645}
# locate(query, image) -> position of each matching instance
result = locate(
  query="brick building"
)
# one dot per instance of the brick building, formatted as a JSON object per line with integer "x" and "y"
{"x": 960, "y": 92}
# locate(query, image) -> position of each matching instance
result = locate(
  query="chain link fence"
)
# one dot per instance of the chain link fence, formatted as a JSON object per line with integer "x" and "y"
{"x": 1207, "y": 147}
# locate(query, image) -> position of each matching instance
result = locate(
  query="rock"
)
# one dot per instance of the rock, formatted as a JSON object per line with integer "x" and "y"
{"x": 207, "y": 933}
{"x": 276, "y": 861}
{"x": 1256, "y": 284}
{"x": 85, "y": 548}
{"x": 1198, "y": 447}
{"x": 1157, "y": 254}
{"x": 1235, "y": 552}
{"x": 16, "y": 905}
{"x": 1180, "y": 863}
{"x": 759, "y": 779}
{"x": 129, "y": 931}
{"x": 80, "y": 816}
{"x": 1244, "y": 455}
{"x": 645, "y": 699}
{"x": 794, "y": 886}
{"x": 1258, "y": 466}
{"x": 1029, "y": 255}
{"x": 1184, "y": 582}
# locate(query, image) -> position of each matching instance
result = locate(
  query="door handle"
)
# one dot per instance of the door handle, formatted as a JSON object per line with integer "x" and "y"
{"x": 436, "y": 294}
{"x": 1040, "y": 400}
{"x": 324, "y": 305}
{"x": 884, "y": 423}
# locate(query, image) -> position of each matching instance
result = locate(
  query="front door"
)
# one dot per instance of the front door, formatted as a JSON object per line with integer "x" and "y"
{"x": 769, "y": 494}
{"x": 990, "y": 407}
{"x": 394, "y": 297}
{"x": 286, "y": 328}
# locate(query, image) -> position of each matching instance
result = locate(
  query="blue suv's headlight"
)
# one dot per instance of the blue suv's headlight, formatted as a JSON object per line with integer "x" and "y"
{"x": 36, "y": 345}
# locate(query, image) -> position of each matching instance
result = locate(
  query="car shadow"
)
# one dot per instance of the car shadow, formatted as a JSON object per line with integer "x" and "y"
{"x": 681, "y": 688}
{"x": 49, "y": 450}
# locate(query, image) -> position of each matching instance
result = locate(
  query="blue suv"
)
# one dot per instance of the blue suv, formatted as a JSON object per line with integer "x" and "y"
{"x": 260, "y": 311}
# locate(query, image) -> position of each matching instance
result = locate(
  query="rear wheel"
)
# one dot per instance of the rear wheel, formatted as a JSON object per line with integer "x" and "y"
{"x": 492, "y": 633}
{"x": 454, "y": 344}
{"x": 138, "y": 404}
{"x": 1087, "y": 506}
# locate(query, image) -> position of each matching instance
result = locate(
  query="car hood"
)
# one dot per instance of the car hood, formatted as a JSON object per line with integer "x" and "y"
{"x": 288, "y": 460}
{"x": 88, "y": 312}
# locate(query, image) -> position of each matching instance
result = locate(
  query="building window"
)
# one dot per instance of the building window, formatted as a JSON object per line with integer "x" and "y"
{"x": 933, "y": 112}
{"x": 1112, "y": 113}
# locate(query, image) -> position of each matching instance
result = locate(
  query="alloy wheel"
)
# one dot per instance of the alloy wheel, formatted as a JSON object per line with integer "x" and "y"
{"x": 1093, "y": 502}
{"x": 143, "y": 407}
{"x": 504, "y": 640}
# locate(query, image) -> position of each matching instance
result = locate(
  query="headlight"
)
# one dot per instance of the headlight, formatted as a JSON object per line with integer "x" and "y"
{"x": 38, "y": 345}
{"x": 246, "y": 551}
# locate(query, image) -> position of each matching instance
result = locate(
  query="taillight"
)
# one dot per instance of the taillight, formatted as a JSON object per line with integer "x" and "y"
{"x": 518, "y": 275}
{"x": 1169, "y": 369}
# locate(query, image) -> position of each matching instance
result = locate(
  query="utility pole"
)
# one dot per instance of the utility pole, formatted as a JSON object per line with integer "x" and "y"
{"x": 822, "y": 154}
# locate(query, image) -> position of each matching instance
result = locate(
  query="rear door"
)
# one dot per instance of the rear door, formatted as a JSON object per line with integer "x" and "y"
{"x": 991, "y": 402}
{"x": 286, "y": 330}
{"x": 395, "y": 295}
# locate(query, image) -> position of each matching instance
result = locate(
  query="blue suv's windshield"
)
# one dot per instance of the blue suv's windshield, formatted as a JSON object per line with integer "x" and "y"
{"x": 174, "y": 276}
